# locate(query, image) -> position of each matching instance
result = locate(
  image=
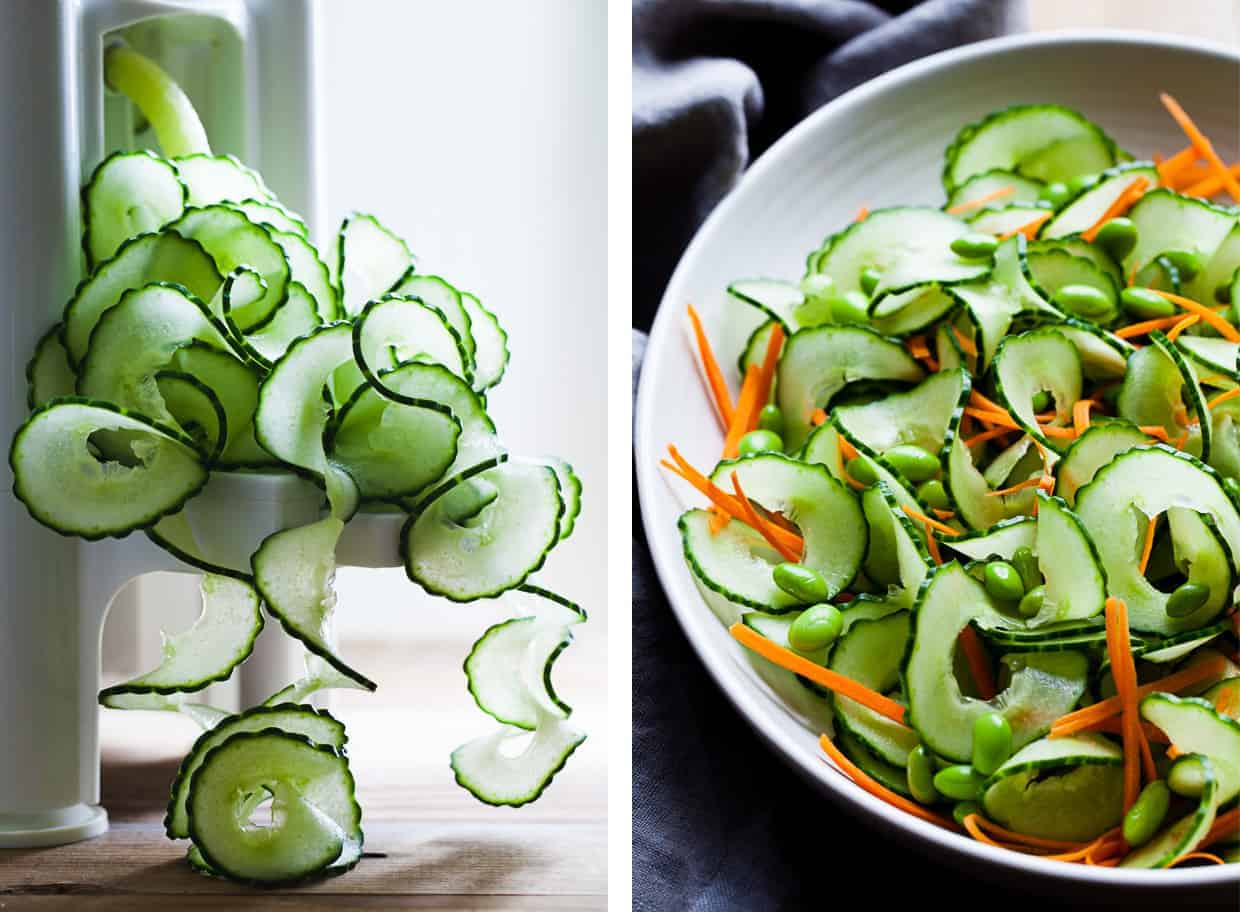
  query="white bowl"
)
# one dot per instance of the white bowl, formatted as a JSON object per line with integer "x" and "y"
{"x": 880, "y": 145}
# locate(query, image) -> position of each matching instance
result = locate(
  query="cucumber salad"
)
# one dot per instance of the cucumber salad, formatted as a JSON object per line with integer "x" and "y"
{"x": 976, "y": 518}
{"x": 210, "y": 336}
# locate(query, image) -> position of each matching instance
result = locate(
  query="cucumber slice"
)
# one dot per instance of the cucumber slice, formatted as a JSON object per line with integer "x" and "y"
{"x": 1090, "y": 204}
{"x": 204, "y": 716}
{"x": 823, "y": 448}
{"x": 174, "y": 534}
{"x": 870, "y": 653}
{"x": 1024, "y": 190}
{"x": 908, "y": 245}
{"x": 128, "y": 194}
{"x": 492, "y": 551}
{"x": 777, "y": 300}
{"x": 165, "y": 257}
{"x": 1053, "y": 269}
{"x": 1153, "y": 393}
{"x": 735, "y": 562}
{"x": 393, "y": 330}
{"x": 925, "y": 306}
{"x": 439, "y": 294}
{"x": 316, "y": 820}
{"x": 490, "y": 343}
{"x": 1076, "y": 246}
{"x": 232, "y": 240}
{"x": 1032, "y": 362}
{"x": 1211, "y": 355}
{"x": 1068, "y": 788}
{"x": 1166, "y": 220}
{"x": 1042, "y": 686}
{"x": 1196, "y": 727}
{"x": 196, "y": 410}
{"x": 1104, "y": 355}
{"x": 318, "y": 725}
{"x": 1225, "y": 698}
{"x": 998, "y": 541}
{"x": 570, "y": 493}
{"x": 896, "y": 555}
{"x": 1076, "y": 584}
{"x": 1183, "y": 836}
{"x": 509, "y": 667}
{"x": 1115, "y": 508}
{"x": 888, "y": 774}
{"x": 970, "y": 492}
{"x": 1199, "y": 438}
{"x": 90, "y": 469}
{"x": 1006, "y": 220}
{"x": 236, "y": 386}
{"x": 925, "y": 416}
{"x": 320, "y": 675}
{"x": 271, "y": 214}
{"x": 801, "y": 695}
{"x": 817, "y": 363}
{"x": 211, "y": 179}
{"x": 298, "y": 316}
{"x": 136, "y": 339}
{"x": 308, "y": 270}
{"x": 1220, "y": 269}
{"x": 48, "y": 374}
{"x": 293, "y": 570}
{"x": 1173, "y": 648}
{"x": 489, "y": 770}
{"x": 1091, "y": 451}
{"x": 220, "y": 639}
{"x": 370, "y": 260}
{"x": 1045, "y": 142}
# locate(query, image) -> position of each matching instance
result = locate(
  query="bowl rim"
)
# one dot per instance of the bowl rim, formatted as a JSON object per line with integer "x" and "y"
{"x": 754, "y": 704}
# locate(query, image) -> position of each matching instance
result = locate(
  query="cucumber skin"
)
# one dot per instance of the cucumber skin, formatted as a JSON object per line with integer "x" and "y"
{"x": 542, "y": 787}
{"x": 91, "y": 264}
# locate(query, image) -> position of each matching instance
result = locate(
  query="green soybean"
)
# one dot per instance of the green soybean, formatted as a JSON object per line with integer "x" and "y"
{"x": 1041, "y": 401}
{"x": 1026, "y": 564}
{"x": 1187, "y": 262}
{"x": 964, "y": 809}
{"x": 921, "y": 770}
{"x": 1117, "y": 237}
{"x": 817, "y": 627}
{"x": 760, "y": 442}
{"x": 992, "y": 742}
{"x": 1146, "y": 816}
{"x": 1032, "y": 602}
{"x": 803, "y": 583}
{"x": 771, "y": 418}
{"x": 933, "y": 494}
{"x": 1003, "y": 581}
{"x": 850, "y": 308}
{"x": 975, "y": 246}
{"x": 1186, "y": 599}
{"x": 861, "y": 469}
{"x": 869, "y": 280}
{"x": 1145, "y": 304}
{"x": 1081, "y": 183}
{"x": 1187, "y": 777}
{"x": 1056, "y": 194}
{"x": 1083, "y": 300}
{"x": 912, "y": 462}
{"x": 961, "y": 782}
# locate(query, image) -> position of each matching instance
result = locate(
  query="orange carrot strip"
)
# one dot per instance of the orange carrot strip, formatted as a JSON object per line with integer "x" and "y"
{"x": 1211, "y": 185}
{"x": 1185, "y": 322}
{"x": 1202, "y": 144}
{"x": 982, "y": 200}
{"x": 944, "y": 514}
{"x": 1029, "y": 483}
{"x": 932, "y": 523}
{"x": 1112, "y": 726}
{"x": 1140, "y": 329}
{"x": 1119, "y": 206}
{"x": 846, "y": 447}
{"x": 746, "y": 406}
{"x": 1006, "y": 420}
{"x": 917, "y": 347}
{"x": 1028, "y": 229}
{"x": 766, "y": 529}
{"x": 990, "y": 435}
{"x": 1117, "y": 648}
{"x": 1031, "y": 841}
{"x": 832, "y": 680}
{"x": 718, "y": 519}
{"x": 714, "y": 376}
{"x": 971, "y": 827}
{"x": 966, "y": 344}
{"x": 1171, "y": 169}
{"x": 862, "y": 214}
{"x": 1150, "y": 528}
{"x": 1080, "y": 416}
{"x": 1226, "y": 826}
{"x": 977, "y": 399}
{"x": 932, "y": 545}
{"x": 878, "y": 790}
{"x": 1197, "y": 856}
{"x": 979, "y": 662}
{"x": 767, "y": 374}
{"x": 1223, "y": 397}
{"x": 1155, "y": 430}
{"x": 1209, "y": 314}
{"x": 817, "y": 417}
{"x": 848, "y": 479}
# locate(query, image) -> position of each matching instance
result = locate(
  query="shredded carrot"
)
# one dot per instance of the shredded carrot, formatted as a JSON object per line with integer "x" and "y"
{"x": 1148, "y": 547}
{"x": 1197, "y": 856}
{"x": 746, "y": 405}
{"x": 987, "y": 435}
{"x": 1173, "y": 752}
{"x": 1119, "y": 206}
{"x": 1034, "y": 482}
{"x": 766, "y": 529}
{"x": 862, "y": 214}
{"x": 966, "y": 344}
{"x": 1202, "y": 144}
{"x": 944, "y": 514}
{"x": 932, "y": 545}
{"x": 715, "y": 383}
{"x": 1146, "y": 326}
{"x": 1036, "y": 842}
{"x": 979, "y": 662}
{"x": 1004, "y": 419}
{"x": 766, "y": 374}
{"x": 832, "y": 680}
{"x": 1080, "y": 416}
{"x": 877, "y": 789}
{"x": 1112, "y": 726}
{"x": 1155, "y": 430}
{"x": 1185, "y": 322}
{"x": 971, "y": 827}
{"x": 932, "y": 523}
{"x": 1225, "y": 827}
{"x": 1223, "y": 397}
{"x": 982, "y": 200}
{"x": 1171, "y": 169}
{"x": 1181, "y": 441}
{"x": 917, "y": 347}
{"x": 848, "y": 479}
{"x": 1211, "y": 185}
{"x": 1121, "y": 663}
{"x": 1209, "y": 314}
{"x": 1132, "y": 274}
{"x": 718, "y": 519}
{"x": 977, "y": 399}
{"x": 846, "y": 447}
{"x": 1028, "y": 229}
{"x": 817, "y": 417}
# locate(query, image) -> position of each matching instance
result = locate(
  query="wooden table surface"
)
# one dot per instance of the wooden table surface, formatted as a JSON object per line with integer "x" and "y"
{"x": 433, "y": 845}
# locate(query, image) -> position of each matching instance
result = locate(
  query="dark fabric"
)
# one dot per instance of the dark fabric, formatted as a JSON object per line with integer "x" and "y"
{"x": 719, "y": 821}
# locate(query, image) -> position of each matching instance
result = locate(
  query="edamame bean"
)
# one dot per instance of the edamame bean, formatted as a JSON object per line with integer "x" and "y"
{"x": 1187, "y": 262}
{"x": 1187, "y": 777}
{"x": 920, "y": 772}
{"x": 1117, "y": 237}
{"x": 1081, "y": 183}
{"x": 801, "y": 582}
{"x": 869, "y": 280}
{"x": 912, "y": 462}
{"x": 771, "y": 418}
{"x": 1003, "y": 582}
{"x": 1056, "y": 194}
{"x": 760, "y": 442}
{"x": 1083, "y": 300}
{"x": 861, "y": 469}
{"x": 1186, "y": 599}
{"x": 815, "y": 310}
{"x": 850, "y": 308}
{"x": 1026, "y": 564}
{"x": 992, "y": 742}
{"x": 817, "y": 627}
{"x": 933, "y": 494}
{"x": 975, "y": 245}
{"x": 1145, "y": 304}
{"x": 1041, "y": 401}
{"x": 963, "y": 809}
{"x": 1032, "y": 602}
{"x": 961, "y": 782}
{"x": 1146, "y": 816}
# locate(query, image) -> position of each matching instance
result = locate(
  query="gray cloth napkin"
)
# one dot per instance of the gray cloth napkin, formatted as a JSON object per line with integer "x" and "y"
{"x": 720, "y": 822}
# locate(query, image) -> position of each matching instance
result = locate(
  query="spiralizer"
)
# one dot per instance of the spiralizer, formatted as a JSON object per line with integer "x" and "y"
{"x": 249, "y": 67}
